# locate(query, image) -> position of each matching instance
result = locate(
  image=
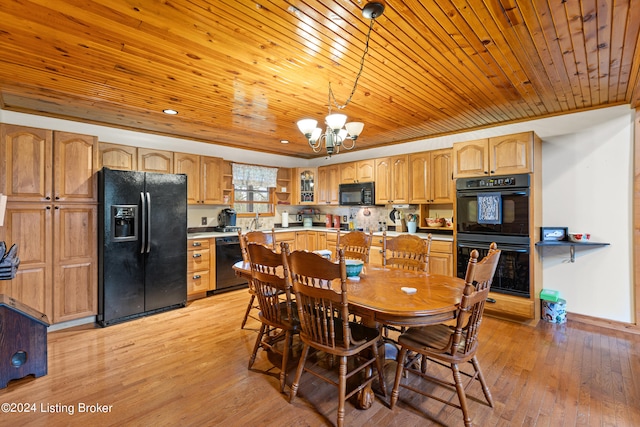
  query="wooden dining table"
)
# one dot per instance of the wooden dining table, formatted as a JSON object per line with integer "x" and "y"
{"x": 395, "y": 297}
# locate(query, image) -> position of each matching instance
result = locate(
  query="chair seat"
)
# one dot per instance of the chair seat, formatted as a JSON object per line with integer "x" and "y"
{"x": 430, "y": 339}
{"x": 292, "y": 323}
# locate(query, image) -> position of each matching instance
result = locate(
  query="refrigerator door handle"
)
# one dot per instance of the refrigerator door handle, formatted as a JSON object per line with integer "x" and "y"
{"x": 143, "y": 221}
{"x": 148, "y": 222}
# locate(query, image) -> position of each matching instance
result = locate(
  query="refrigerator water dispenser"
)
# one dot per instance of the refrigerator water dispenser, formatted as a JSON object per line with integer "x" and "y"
{"x": 124, "y": 222}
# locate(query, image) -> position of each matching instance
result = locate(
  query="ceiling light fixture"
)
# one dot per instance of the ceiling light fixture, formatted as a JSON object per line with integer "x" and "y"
{"x": 335, "y": 136}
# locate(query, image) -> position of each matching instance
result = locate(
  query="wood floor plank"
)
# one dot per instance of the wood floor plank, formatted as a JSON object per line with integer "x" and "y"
{"x": 188, "y": 367}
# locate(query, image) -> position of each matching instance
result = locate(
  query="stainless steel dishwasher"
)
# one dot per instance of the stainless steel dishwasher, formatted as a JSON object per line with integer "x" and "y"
{"x": 228, "y": 252}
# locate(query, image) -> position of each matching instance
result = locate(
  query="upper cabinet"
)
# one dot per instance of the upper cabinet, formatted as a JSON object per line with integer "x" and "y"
{"x": 500, "y": 155}
{"x": 431, "y": 177}
{"x": 43, "y": 166}
{"x": 328, "y": 182}
{"x": 361, "y": 171}
{"x": 150, "y": 160}
{"x": 392, "y": 185}
{"x": 204, "y": 178}
{"x": 116, "y": 156}
{"x": 304, "y": 184}
{"x": 283, "y": 189}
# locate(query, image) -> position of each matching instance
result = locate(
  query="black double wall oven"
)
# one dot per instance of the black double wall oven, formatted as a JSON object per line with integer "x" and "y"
{"x": 496, "y": 209}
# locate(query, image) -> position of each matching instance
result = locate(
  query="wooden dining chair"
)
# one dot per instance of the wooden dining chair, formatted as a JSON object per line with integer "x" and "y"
{"x": 320, "y": 288}
{"x": 355, "y": 244}
{"x": 278, "y": 312}
{"x": 263, "y": 238}
{"x": 406, "y": 251}
{"x": 449, "y": 345}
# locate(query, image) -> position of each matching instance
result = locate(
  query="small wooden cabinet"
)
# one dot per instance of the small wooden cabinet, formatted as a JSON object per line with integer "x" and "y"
{"x": 502, "y": 155}
{"x": 150, "y": 160}
{"x": 392, "y": 184}
{"x": 283, "y": 188}
{"x": 360, "y": 171}
{"x": 304, "y": 185}
{"x": 200, "y": 267}
{"x": 431, "y": 177}
{"x": 204, "y": 178}
{"x": 328, "y": 182}
{"x": 441, "y": 258}
{"x": 307, "y": 240}
{"x": 118, "y": 157}
{"x": 288, "y": 237}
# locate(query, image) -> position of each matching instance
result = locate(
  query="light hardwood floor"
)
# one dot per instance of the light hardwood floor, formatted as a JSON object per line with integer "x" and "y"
{"x": 188, "y": 367}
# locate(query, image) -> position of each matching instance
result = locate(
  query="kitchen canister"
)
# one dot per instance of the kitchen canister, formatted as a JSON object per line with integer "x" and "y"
{"x": 328, "y": 221}
{"x": 285, "y": 220}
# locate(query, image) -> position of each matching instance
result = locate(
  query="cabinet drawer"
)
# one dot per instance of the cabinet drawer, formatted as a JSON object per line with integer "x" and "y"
{"x": 198, "y": 260}
{"x": 198, "y": 244}
{"x": 509, "y": 306}
{"x": 198, "y": 281}
{"x": 286, "y": 236}
{"x": 441, "y": 246}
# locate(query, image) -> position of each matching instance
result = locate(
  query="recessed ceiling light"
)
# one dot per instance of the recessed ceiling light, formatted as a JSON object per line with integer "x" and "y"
{"x": 284, "y": 141}
{"x": 170, "y": 112}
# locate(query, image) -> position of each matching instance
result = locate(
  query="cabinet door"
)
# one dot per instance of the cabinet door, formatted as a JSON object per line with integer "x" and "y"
{"x": 348, "y": 173}
{"x": 25, "y": 172}
{"x": 441, "y": 177}
{"x": 75, "y": 165}
{"x": 29, "y": 226}
{"x": 383, "y": 182}
{"x": 323, "y": 185}
{"x": 150, "y": 160}
{"x": 189, "y": 164}
{"x": 419, "y": 172}
{"x": 400, "y": 179}
{"x": 306, "y": 180}
{"x": 119, "y": 157}
{"x": 365, "y": 170}
{"x": 471, "y": 158}
{"x": 211, "y": 180}
{"x": 333, "y": 182}
{"x": 75, "y": 262}
{"x": 441, "y": 264}
{"x": 511, "y": 154}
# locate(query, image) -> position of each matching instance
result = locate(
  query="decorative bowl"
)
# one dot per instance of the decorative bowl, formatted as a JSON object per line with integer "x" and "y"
{"x": 579, "y": 237}
{"x": 434, "y": 222}
{"x": 354, "y": 267}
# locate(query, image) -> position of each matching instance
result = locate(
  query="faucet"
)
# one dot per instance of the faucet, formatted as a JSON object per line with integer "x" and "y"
{"x": 255, "y": 223}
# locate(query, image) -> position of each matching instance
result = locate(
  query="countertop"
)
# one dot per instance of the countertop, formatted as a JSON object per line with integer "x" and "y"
{"x": 213, "y": 234}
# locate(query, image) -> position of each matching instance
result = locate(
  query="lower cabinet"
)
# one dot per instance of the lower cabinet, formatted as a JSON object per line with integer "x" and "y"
{"x": 200, "y": 267}
{"x": 307, "y": 240}
{"x": 441, "y": 258}
{"x": 288, "y": 237}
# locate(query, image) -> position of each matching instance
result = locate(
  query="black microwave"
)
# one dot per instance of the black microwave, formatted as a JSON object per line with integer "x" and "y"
{"x": 357, "y": 194}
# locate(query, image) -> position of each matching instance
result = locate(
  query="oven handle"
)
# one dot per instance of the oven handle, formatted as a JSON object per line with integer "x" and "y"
{"x": 502, "y": 193}
{"x": 483, "y": 245}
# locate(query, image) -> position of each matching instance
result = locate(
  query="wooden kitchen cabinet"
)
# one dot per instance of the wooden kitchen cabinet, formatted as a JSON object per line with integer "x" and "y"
{"x": 328, "y": 182}
{"x": 288, "y": 237}
{"x": 29, "y": 225}
{"x": 307, "y": 240}
{"x": 200, "y": 267}
{"x": 502, "y": 155}
{"x": 150, "y": 160}
{"x": 118, "y": 157}
{"x": 431, "y": 177}
{"x": 392, "y": 183}
{"x": 283, "y": 186}
{"x": 44, "y": 166}
{"x": 304, "y": 185}
{"x": 360, "y": 171}
{"x": 75, "y": 266}
{"x": 204, "y": 178}
{"x": 441, "y": 258}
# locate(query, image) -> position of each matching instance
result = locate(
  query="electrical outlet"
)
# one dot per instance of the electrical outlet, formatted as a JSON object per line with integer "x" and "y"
{"x": 203, "y": 221}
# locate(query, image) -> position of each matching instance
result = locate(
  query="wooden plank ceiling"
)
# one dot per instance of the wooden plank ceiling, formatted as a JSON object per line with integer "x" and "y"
{"x": 242, "y": 73}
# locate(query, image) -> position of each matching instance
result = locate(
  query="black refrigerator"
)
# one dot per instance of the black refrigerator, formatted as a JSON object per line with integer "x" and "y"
{"x": 142, "y": 263}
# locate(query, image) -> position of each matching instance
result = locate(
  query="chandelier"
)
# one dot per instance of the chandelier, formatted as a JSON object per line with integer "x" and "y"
{"x": 338, "y": 132}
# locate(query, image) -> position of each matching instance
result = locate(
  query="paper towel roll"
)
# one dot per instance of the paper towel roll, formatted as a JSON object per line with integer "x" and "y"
{"x": 285, "y": 219}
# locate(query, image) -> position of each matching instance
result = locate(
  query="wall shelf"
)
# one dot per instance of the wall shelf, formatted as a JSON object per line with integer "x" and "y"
{"x": 572, "y": 245}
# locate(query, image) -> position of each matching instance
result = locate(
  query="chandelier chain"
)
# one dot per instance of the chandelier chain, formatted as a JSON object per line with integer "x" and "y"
{"x": 355, "y": 84}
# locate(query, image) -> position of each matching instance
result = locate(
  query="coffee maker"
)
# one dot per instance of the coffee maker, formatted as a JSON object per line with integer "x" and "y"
{"x": 227, "y": 220}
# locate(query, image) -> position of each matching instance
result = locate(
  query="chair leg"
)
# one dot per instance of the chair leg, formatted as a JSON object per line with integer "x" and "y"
{"x": 296, "y": 380}
{"x": 257, "y": 345}
{"x": 342, "y": 390}
{"x": 485, "y": 387}
{"x": 249, "y": 307}
{"x": 379, "y": 367}
{"x": 462, "y": 397}
{"x": 396, "y": 383}
{"x": 285, "y": 359}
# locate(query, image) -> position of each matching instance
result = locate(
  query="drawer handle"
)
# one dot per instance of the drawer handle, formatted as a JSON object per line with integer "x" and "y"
{"x": 196, "y": 244}
{"x": 197, "y": 255}
{"x": 197, "y": 276}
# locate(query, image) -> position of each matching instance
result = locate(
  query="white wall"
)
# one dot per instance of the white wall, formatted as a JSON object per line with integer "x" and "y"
{"x": 587, "y": 186}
